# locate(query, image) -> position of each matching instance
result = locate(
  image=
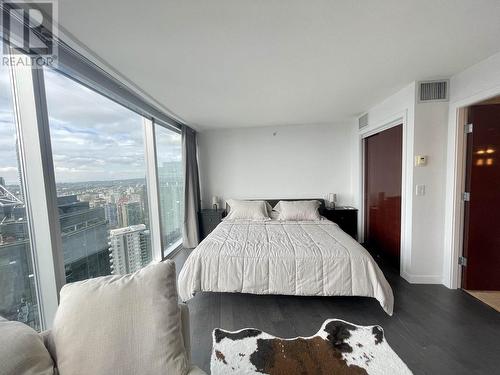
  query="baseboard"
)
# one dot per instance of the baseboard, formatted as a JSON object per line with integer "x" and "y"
{"x": 422, "y": 279}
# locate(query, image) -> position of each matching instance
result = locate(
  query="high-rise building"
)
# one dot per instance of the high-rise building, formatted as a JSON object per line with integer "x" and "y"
{"x": 111, "y": 214}
{"x": 131, "y": 214}
{"x": 129, "y": 249}
{"x": 17, "y": 286}
{"x": 85, "y": 245}
{"x": 84, "y": 237}
{"x": 171, "y": 197}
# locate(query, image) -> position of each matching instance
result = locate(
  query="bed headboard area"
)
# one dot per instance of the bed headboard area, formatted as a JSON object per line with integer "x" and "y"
{"x": 273, "y": 202}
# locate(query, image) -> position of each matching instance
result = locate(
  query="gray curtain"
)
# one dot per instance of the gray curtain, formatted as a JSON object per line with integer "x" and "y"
{"x": 191, "y": 232}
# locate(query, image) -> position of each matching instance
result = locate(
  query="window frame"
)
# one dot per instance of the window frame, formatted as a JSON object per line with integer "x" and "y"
{"x": 167, "y": 253}
{"x": 82, "y": 70}
{"x": 37, "y": 169}
{"x": 153, "y": 191}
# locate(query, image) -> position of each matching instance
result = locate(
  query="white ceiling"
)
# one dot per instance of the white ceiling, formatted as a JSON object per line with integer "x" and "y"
{"x": 255, "y": 62}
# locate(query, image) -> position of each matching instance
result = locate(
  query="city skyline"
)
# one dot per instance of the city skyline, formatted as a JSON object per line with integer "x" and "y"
{"x": 97, "y": 221}
{"x": 100, "y": 177}
{"x": 93, "y": 138}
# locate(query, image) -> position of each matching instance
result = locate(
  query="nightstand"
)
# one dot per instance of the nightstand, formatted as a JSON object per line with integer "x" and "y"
{"x": 346, "y": 217}
{"x": 209, "y": 219}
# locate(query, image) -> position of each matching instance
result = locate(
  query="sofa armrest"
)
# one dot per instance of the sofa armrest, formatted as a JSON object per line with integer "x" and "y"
{"x": 185, "y": 330}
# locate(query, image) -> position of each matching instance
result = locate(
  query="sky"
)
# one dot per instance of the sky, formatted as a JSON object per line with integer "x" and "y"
{"x": 92, "y": 137}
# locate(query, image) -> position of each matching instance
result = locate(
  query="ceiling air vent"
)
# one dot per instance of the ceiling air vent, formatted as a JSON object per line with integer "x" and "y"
{"x": 363, "y": 121}
{"x": 433, "y": 91}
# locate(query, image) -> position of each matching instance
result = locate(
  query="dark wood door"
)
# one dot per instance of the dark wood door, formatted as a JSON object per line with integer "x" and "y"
{"x": 482, "y": 211}
{"x": 383, "y": 163}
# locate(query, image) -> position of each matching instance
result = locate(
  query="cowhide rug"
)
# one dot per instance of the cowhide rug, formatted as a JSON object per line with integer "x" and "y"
{"x": 338, "y": 348}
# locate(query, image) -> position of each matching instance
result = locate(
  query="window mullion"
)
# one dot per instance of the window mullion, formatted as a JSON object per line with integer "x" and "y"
{"x": 153, "y": 191}
{"x": 37, "y": 167}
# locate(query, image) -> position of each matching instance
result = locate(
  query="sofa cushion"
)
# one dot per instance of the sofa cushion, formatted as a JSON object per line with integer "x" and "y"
{"x": 22, "y": 351}
{"x": 121, "y": 325}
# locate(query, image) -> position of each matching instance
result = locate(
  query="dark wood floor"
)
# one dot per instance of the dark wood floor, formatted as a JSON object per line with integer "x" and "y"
{"x": 435, "y": 330}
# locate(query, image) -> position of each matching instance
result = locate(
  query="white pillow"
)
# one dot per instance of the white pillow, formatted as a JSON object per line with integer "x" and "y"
{"x": 22, "y": 351}
{"x": 127, "y": 324}
{"x": 298, "y": 210}
{"x": 248, "y": 210}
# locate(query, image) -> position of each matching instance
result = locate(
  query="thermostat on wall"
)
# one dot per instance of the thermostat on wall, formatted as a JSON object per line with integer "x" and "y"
{"x": 420, "y": 160}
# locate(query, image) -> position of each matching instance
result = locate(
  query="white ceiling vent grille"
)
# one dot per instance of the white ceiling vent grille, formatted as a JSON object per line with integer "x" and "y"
{"x": 363, "y": 121}
{"x": 433, "y": 91}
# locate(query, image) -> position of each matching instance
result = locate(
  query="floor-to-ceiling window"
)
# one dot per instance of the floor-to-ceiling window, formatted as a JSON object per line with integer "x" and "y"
{"x": 170, "y": 185}
{"x": 99, "y": 162}
{"x": 18, "y": 292}
{"x": 90, "y": 178}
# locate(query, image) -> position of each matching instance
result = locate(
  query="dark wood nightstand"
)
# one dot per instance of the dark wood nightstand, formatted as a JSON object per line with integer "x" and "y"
{"x": 209, "y": 219}
{"x": 346, "y": 217}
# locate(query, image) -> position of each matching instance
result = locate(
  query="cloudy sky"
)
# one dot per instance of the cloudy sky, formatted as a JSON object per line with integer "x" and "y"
{"x": 92, "y": 137}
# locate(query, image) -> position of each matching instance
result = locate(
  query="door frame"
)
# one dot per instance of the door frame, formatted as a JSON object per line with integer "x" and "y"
{"x": 406, "y": 186}
{"x": 455, "y": 183}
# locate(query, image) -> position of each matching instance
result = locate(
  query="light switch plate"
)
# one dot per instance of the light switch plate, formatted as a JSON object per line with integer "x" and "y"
{"x": 420, "y": 190}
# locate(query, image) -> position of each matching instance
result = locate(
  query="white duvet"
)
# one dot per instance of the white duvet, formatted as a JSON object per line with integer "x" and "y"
{"x": 305, "y": 258}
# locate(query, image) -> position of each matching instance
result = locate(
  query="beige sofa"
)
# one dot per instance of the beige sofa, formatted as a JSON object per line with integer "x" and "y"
{"x": 49, "y": 342}
{"x": 127, "y": 325}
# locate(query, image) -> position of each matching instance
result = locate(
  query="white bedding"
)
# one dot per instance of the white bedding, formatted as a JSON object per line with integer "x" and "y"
{"x": 307, "y": 258}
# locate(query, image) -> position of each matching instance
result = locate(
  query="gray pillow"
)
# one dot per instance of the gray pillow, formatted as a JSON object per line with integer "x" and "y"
{"x": 121, "y": 325}
{"x": 22, "y": 351}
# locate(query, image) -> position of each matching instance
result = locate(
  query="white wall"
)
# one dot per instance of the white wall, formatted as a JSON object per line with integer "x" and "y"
{"x": 277, "y": 162}
{"x": 424, "y": 133}
{"x": 479, "y": 82}
{"x": 312, "y": 160}
{"x": 428, "y": 217}
{"x": 433, "y": 229}
{"x": 391, "y": 108}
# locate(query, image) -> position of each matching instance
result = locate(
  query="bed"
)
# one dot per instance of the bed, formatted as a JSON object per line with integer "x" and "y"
{"x": 303, "y": 258}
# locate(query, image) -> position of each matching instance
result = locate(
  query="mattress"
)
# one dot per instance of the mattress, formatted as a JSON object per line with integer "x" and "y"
{"x": 303, "y": 258}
